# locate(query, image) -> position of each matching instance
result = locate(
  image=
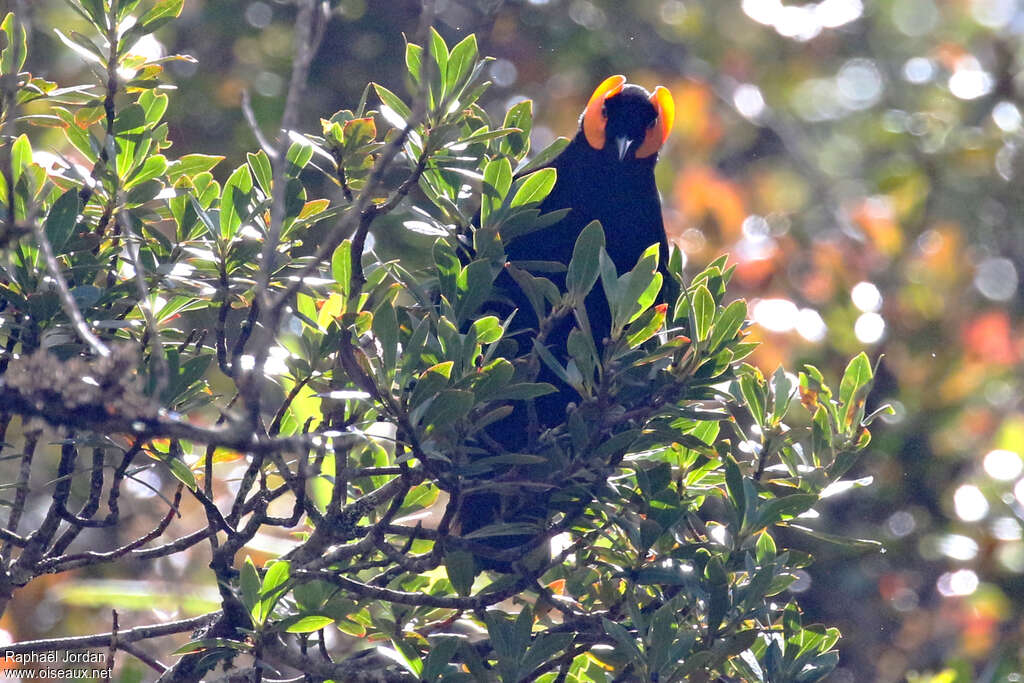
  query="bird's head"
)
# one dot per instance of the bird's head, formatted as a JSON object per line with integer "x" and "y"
{"x": 627, "y": 122}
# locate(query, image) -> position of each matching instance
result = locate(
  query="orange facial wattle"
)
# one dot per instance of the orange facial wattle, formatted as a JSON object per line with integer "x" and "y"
{"x": 594, "y": 117}
{"x": 663, "y": 103}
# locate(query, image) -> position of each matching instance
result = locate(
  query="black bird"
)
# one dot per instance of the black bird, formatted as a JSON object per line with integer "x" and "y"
{"x": 605, "y": 173}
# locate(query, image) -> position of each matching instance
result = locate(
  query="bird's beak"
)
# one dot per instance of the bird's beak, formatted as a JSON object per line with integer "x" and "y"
{"x": 622, "y": 143}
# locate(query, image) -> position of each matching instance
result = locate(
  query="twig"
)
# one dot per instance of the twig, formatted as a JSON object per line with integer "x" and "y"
{"x": 20, "y": 495}
{"x": 66, "y": 562}
{"x": 107, "y": 162}
{"x": 156, "y": 351}
{"x": 141, "y": 655}
{"x": 101, "y": 639}
{"x": 67, "y": 301}
{"x": 254, "y": 126}
{"x": 112, "y": 649}
{"x": 305, "y": 48}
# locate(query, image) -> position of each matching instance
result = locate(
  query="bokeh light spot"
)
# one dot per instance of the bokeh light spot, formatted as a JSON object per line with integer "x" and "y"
{"x": 258, "y": 14}
{"x": 901, "y": 523}
{"x": 993, "y": 13}
{"x": 1003, "y": 465}
{"x": 969, "y": 81}
{"x": 918, "y": 70}
{"x": 859, "y": 83}
{"x": 748, "y": 100}
{"x": 1011, "y": 556}
{"x": 996, "y": 279}
{"x": 958, "y": 547}
{"x": 970, "y": 503}
{"x": 776, "y": 315}
{"x": 1007, "y": 116}
{"x": 957, "y": 584}
{"x": 810, "y": 325}
{"x": 1006, "y": 529}
{"x": 504, "y": 73}
{"x": 915, "y": 17}
{"x": 802, "y": 583}
{"x": 866, "y": 297}
{"x": 869, "y": 328}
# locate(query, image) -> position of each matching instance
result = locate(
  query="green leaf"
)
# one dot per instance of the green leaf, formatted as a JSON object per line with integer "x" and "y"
{"x": 161, "y": 12}
{"x": 299, "y": 154}
{"x": 582, "y": 350}
{"x": 782, "y": 392}
{"x": 152, "y": 167}
{"x": 341, "y": 267}
{"x": 154, "y": 106}
{"x": 524, "y": 391}
{"x": 234, "y": 201}
{"x": 583, "y": 267}
{"x": 206, "y": 644}
{"x": 262, "y": 171}
{"x": 703, "y": 312}
{"x": 403, "y": 655}
{"x": 447, "y": 407}
{"x": 461, "y": 570}
{"x": 131, "y": 119}
{"x": 534, "y": 187}
{"x": 544, "y": 157}
{"x": 646, "y": 326}
{"x": 385, "y": 329}
{"x": 124, "y": 8}
{"x": 439, "y": 56}
{"x": 460, "y": 62}
{"x": 772, "y": 511}
{"x": 859, "y": 544}
{"x": 96, "y": 12}
{"x": 440, "y": 658}
{"x": 21, "y": 157}
{"x": 728, "y": 324}
{"x": 276, "y": 575}
{"x": 474, "y": 288}
{"x": 81, "y": 46}
{"x": 638, "y": 288}
{"x": 448, "y": 269}
{"x": 249, "y": 584}
{"x": 181, "y": 472}
{"x": 517, "y": 145}
{"x": 414, "y": 61}
{"x": 488, "y": 329}
{"x": 60, "y": 222}
{"x": 497, "y": 181}
{"x": 734, "y": 485}
{"x": 545, "y": 647}
{"x": 765, "y": 550}
{"x": 625, "y": 641}
{"x": 752, "y": 387}
{"x": 15, "y": 51}
{"x": 394, "y": 103}
{"x": 857, "y": 375}
{"x": 310, "y": 624}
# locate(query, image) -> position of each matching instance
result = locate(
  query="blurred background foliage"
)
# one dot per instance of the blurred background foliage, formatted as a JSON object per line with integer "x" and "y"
{"x": 859, "y": 162}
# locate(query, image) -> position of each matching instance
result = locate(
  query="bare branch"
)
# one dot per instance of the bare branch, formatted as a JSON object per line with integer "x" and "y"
{"x": 20, "y": 496}
{"x": 305, "y": 48}
{"x": 156, "y": 351}
{"x": 66, "y": 300}
{"x": 254, "y": 126}
{"x": 131, "y": 635}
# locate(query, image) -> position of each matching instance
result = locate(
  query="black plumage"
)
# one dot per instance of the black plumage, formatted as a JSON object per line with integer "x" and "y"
{"x": 606, "y": 173}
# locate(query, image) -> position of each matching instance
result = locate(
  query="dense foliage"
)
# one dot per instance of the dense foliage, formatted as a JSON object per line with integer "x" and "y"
{"x": 239, "y": 347}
